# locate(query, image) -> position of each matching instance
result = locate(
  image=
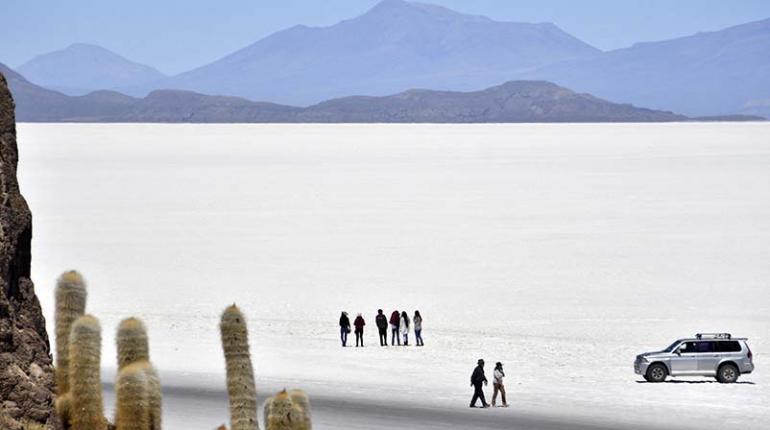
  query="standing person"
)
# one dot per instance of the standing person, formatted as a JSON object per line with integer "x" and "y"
{"x": 395, "y": 324}
{"x": 417, "y": 320}
{"x": 382, "y": 326}
{"x": 344, "y": 328}
{"x": 477, "y": 379}
{"x": 359, "y": 323}
{"x": 497, "y": 384}
{"x": 405, "y": 327}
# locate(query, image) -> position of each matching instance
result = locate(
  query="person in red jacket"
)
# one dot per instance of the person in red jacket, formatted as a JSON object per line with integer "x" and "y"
{"x": 359, "y": 323}
{"x": 395, "y": 325}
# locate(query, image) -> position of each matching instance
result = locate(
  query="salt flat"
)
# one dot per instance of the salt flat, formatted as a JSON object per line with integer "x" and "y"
{"x": 560, "y": 250}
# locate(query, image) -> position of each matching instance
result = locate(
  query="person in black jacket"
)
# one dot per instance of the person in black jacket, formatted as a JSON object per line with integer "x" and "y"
{"x": 477, "y": 379}
{"x": 359, "y": 323}
{"x": 344, "y": 328}
{"x": 382, "y": 326}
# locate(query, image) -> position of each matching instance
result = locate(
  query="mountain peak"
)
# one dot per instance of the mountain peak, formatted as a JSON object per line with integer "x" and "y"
{"x": 394, "y": 46}
{"x": 403, "y": 7}
{"x": 83, "y": 67}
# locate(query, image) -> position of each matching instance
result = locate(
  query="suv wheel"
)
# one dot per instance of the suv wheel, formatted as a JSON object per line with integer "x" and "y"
{"x": 656, "y": 373}
{"x": 728, "y": 373}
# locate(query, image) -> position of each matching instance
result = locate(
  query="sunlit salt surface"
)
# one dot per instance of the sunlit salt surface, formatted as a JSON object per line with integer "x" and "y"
{"x": 561, "y": 250}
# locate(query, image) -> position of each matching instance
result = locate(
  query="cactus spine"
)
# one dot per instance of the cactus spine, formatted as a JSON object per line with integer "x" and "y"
{"x": 240, "y": 374}
{"x": 70, "y": 305}
{"x": 131, "y": 392}
{"x": 288, "y": 411}
{"x": 133, "y": 347}
{"x": 87, "y": 412}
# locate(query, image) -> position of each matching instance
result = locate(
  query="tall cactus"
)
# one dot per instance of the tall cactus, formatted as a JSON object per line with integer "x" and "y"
{"x": 87, "y": 411}
{"x": 133, "y": 347}
{"x": 288, "y": 411}
{"x": 132, "y": 398}
{"x": 240, "y": 374}
{"x": 70, "y": 297}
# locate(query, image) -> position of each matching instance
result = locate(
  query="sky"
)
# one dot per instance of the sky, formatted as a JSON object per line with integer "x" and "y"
{"x": 178, "y": 35}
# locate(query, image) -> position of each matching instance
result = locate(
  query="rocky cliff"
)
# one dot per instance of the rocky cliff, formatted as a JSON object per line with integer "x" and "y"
{"x": 26, "y": 367}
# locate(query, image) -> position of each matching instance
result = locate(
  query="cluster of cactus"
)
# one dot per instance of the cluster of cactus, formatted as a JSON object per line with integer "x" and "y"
{"x": 79, "y": 388}
{"x": 285, "y": 411}
{"x": 137, "y": 389}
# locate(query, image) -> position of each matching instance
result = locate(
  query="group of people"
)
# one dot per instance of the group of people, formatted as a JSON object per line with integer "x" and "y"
{"x": 478, "y": 380}
{"x": 399, "y": 322}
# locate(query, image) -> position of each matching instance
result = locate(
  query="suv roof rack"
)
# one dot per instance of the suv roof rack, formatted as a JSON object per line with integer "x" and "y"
{"x": 713, "y": 336}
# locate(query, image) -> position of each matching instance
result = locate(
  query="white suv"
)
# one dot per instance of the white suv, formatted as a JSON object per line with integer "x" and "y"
{"x": 707, "y": 354}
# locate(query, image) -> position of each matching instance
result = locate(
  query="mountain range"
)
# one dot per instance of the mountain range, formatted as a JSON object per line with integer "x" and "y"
{"x": 400, "y": 45}
{"x": 519, "y": 101}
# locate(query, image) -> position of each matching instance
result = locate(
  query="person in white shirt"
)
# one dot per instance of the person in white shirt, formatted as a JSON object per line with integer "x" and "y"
{"x": 498, "y": 386}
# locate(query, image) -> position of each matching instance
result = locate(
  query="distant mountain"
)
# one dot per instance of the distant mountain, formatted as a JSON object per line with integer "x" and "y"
{"x": 523, "y": 101}
{"x": 395, "y": 46}
{"x": 713, "y": 73}
{"x": 38, "y": 104}
{"x": 517, "y": 101}
{"x": 82, "y": 68}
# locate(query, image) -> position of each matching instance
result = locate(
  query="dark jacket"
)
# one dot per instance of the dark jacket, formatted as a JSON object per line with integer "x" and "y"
{"x": 478, "y": 377}
{"x": 359, "y": 323}
{"x": 395, "y": 318}
{"x": 382, "y": 322}
{"x": 344, "y": 321}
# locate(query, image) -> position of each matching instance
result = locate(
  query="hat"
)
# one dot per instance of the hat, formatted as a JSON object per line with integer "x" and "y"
{"x": 481, "y": 361}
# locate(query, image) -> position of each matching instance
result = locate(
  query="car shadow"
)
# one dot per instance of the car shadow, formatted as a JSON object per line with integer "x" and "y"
{"x": 675, "y": 381}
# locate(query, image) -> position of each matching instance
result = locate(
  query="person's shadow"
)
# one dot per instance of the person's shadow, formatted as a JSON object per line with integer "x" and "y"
{"x": 677, "y": 381}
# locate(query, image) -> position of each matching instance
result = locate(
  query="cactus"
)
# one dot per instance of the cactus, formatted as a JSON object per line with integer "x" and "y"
{"x": 240, "y": 375}
{"x": 132, "y": 398}
{"x": 70, "y": 305}
{"x": 132, "y": 342}
{"x": 288, "y": 411}
{"x": 300, "y": 399}
{"x": 133, "y": 347}
{"x": 87, "y": 412}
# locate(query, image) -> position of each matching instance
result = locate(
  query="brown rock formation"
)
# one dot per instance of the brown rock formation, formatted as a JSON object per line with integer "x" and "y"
{"x": 26, "y": 369}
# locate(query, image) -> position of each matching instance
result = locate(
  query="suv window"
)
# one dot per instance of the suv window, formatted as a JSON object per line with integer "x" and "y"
{"x": 698, "y": 347}
{"x": 731, "y": 346}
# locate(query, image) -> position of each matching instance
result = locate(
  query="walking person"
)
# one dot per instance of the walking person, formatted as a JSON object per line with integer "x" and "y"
{"x": 405, "y": 327}
{"x": 417, "y": 320}
{"x": 497, "y": 384}
{"x": 382, "y": 326}
{"x": 477, "y": 379}
{"x": 395, "y": 325}
{"x": 344, "y": 328}
{"x": 359, "y": 323}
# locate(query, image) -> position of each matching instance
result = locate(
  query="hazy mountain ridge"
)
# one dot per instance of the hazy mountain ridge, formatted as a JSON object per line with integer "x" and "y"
{"x": 395, "y": 46}
{"x": 709, "y": 73}
{"x": 520, "y": 101}
{"x": 398, "y": 45}
{"x": 81, "y": 68}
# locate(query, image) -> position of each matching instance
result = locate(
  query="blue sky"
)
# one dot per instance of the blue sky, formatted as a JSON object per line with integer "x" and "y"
{"x": 176, "y": 35}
